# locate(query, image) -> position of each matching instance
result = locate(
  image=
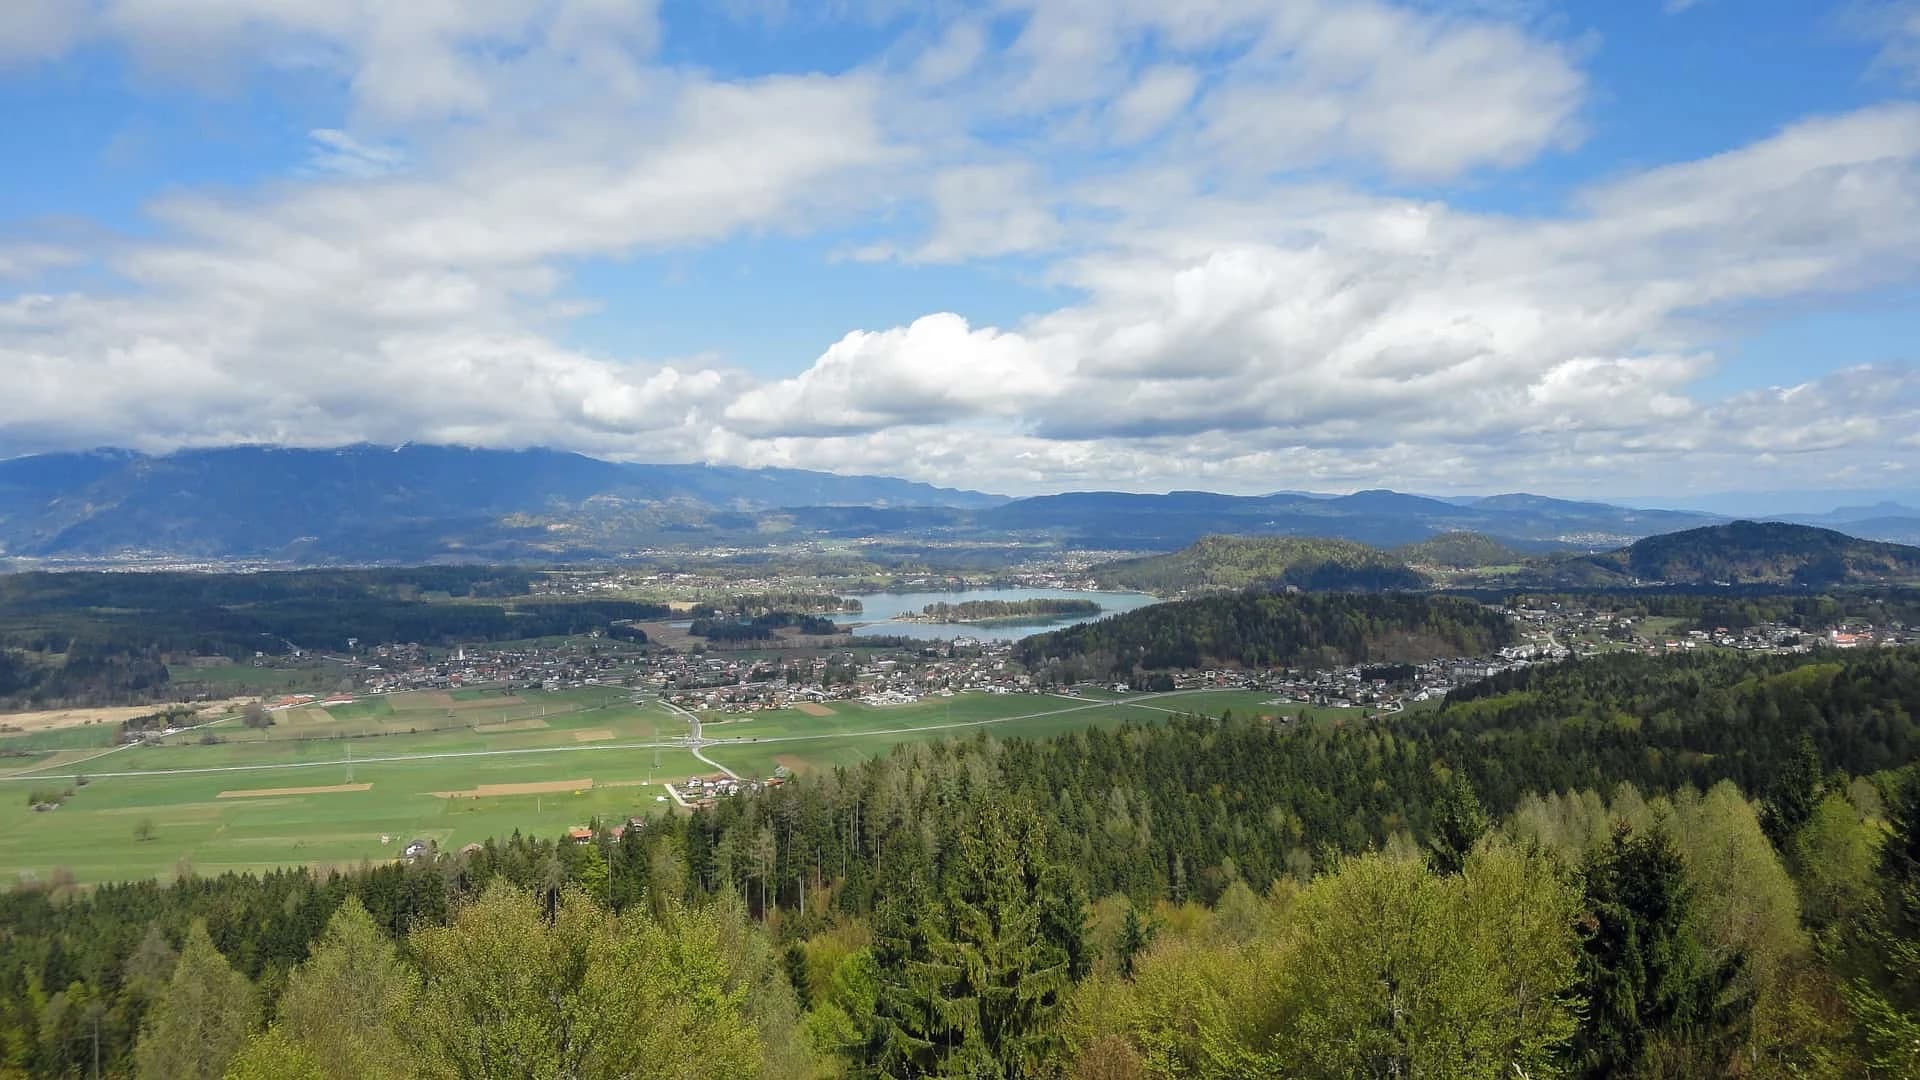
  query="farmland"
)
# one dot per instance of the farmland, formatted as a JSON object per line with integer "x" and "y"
{"x": 335, "y": 785}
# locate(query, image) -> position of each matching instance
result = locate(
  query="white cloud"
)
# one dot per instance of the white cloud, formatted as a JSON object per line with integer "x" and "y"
{"x": 339, "y": 152}
{"x": 1160, "y": 94}
{"x": 405, "y": 62}
{"x": 1893, "y": 25}
{"x": 39, "y": 29}
{"x": 22, "y": 261}
{"x": 1239, "y": 318}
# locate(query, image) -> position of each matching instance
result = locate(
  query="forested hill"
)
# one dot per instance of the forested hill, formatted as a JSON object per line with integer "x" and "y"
{"x": 1551, "y": 876}
{"x": 1459, "y": 550}
{"x": 1236, "y": 562}
{"x": 1255, "y": 629}
{"x": 1749, "y": 552}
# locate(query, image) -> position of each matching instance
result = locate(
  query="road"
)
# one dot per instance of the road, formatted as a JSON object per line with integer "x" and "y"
{"x": 695, "y": 741}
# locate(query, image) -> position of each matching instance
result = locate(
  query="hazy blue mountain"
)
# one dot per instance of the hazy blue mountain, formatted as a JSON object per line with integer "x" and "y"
{"x": 373, "y": 503}
{"x": 416, "y": 503}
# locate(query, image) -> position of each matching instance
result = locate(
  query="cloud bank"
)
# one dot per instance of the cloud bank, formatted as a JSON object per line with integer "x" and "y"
{"x": 1246, "y": 206}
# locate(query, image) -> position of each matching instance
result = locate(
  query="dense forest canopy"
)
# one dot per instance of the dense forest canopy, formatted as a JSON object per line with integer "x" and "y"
{"x": 761, "y": 627}
{"x": 1258, "y": 630}
{"x": 1555, "y": 873}
{"x": 991, "y": 610}
{"x": 1770, "y": 552}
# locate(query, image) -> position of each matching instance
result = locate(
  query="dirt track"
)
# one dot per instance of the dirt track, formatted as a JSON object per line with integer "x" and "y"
{"x": 254, "y": 793}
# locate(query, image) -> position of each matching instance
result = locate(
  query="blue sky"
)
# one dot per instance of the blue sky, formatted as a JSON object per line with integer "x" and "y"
{"x": 1580, "y": 249}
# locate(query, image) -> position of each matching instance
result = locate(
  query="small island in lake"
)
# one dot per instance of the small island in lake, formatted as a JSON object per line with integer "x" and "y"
{"x": 987, "y": 612}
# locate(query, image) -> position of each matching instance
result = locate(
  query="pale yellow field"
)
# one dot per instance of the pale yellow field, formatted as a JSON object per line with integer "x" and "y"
{"x": 54, "y": 719}
{"x": 489, "y": 790}
{"x": 253, "y": 793}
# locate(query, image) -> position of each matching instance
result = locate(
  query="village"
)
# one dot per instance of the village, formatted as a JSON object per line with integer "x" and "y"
{"x": 733, "y": 682}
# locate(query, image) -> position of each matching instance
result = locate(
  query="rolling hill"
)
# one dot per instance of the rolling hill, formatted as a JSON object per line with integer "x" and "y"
{"x": 1459, "y": 551}
{"x": 1237, "y": 562}
{"x": 1749, "y": 552}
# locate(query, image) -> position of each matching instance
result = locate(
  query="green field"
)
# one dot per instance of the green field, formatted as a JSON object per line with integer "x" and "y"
{"x": 408, "y": 747}
{"x": 754, "y": 743}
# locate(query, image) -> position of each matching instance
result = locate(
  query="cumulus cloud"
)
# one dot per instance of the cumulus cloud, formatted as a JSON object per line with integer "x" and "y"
{"x": 1236, "y": 316}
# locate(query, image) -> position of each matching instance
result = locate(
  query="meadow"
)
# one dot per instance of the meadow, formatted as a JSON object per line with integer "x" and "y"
{"x": 755, "y": 743}
{"x": 155, "y": 810}
{"x": 333, "y": 786}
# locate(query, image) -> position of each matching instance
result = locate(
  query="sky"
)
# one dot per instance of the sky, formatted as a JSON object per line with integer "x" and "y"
{"x": 1660, "y": 247}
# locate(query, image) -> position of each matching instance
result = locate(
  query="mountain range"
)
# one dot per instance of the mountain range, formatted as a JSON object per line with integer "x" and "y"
{"x": 420, "y": 503}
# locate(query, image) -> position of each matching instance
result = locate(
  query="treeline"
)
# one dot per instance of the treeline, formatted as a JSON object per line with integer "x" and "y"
{"x": 761, "y": 627}
{"x": 1256, "y": 629}
{"x": 751, "y": 604}
{"x": 1501, "y": 887}
{"x": 986, "y": 610}
{"x": 104, "y": 639}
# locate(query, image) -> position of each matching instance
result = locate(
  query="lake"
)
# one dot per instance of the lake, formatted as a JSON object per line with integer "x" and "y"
{"x": 881, "y": 610}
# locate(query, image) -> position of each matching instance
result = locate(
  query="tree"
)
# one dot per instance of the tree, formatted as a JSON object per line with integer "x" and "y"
{"x": 977, "y": 981}
{"x": 1136, "y": 934}
{"x": 272, "y": 1055}
{"x": 256, "y": 716}
{"x": 1393, "y": 971}
{"x": 1886, "y": 1001}
{"x": 143, "y": 830}
{"x": 1644, "y": 971}
{"x": 1458, "y": 823}
{"x": 349, "y": 1007}
{"x": 594, "y": 874}
{"x": 1791, "y": 796}
{"x": 507, "y": 992}
{"x": 202, "y": 1020}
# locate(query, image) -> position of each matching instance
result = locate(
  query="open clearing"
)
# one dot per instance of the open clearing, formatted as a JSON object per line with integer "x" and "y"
{"x": 55, "y": 719}
{"x": 545, "y": 787}
{"x": 531, "y": 723}
{"x": 254, "y": 793}
{"x": 814, "y": 709}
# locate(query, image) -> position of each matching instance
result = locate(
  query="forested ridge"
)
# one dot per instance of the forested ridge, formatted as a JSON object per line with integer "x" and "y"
{"x": 1258, "y": 629}
{"x": 104, "y": 638}
{"x": 1555, "y": 874}
{"x": 1764, "y": 551}
{"x": 1239, "y": 562}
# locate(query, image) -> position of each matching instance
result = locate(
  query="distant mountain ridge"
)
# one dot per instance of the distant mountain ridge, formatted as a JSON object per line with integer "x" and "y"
{"x": 421, "y": 503}
{"x": 372, "y": 502}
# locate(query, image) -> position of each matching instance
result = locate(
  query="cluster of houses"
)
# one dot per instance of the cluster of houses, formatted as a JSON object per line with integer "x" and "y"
{"x": 702, "y": 791}
{"x": 1590, "y": 631}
